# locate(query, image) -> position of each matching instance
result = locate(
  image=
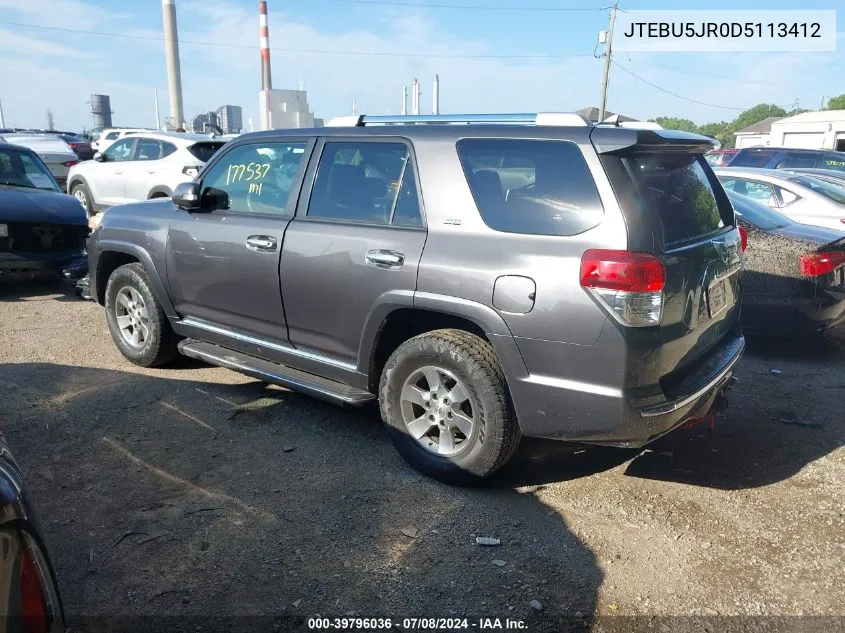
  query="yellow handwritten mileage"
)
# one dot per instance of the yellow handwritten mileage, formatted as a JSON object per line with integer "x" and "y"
{"x": 248, "y": 172}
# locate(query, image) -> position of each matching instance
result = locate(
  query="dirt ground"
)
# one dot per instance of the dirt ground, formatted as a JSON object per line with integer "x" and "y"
{"x": 196, "y": 491}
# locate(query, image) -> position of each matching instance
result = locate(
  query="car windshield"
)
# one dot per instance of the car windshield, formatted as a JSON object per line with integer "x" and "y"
{"x": 24, "y": 169}
{"x": 757, "y": 214}
{"x": 827, "y": 188}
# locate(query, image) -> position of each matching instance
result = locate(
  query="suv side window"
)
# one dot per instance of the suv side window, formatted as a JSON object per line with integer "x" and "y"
{"x": 371, "y": 183}
{"x": 112, "y": 135}
{"x": 256, "y": 178}
{"x": 166, "y": 149}
{"x": 834, "y": 161}
{"x": 798, "y": 159}
{"x": 120, "y": 150}
{"x": 542, "y": 187}
{"x": 147, "y": 149}
{"x": 753, "y": 157}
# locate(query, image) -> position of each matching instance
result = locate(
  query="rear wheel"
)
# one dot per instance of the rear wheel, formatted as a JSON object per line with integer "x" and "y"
{"x": 136, "y": 320}
{"x": 446, "y": 405}
{"x": 83, "y": 195}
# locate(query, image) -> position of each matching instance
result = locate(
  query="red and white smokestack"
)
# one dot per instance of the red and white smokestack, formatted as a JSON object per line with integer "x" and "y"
{"x": 264, "y": 39}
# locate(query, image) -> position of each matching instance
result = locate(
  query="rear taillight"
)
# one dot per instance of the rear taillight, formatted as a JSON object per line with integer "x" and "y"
{"x": 70, "y": 163}
{"x": 817, "y": 264}
{"x": 743, "y": 238}
{"x": 629, "y": 284}
{"x": 34, "y": 610}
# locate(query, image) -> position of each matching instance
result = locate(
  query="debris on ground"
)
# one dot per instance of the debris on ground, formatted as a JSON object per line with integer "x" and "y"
{"x": 410, "y": 531}
{"x": 499, "y": 563}
{"x": 287, "y": 449}
{"x": 775, "y": 371}
{"x": 536, "y": 605}
{"x": 487, "y": 540}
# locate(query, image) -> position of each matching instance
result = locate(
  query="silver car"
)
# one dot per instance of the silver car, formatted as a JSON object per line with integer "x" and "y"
{"x": 804, "y": 197}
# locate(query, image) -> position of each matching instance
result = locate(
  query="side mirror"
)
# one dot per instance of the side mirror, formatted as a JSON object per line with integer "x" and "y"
{"x": 186, "y": 196}
{"x": 99, "y": 157}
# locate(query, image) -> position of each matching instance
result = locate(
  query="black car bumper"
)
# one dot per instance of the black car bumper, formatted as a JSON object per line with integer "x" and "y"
{"x": 35, "y": 265}
{"x": 799, "y": 317}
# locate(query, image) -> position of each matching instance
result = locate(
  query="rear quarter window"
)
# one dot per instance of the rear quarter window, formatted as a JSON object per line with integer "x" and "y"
{"x": 204, "y": 151}
{"x": 531, "y": 186}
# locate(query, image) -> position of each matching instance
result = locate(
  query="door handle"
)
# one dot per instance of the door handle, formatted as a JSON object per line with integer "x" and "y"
{"x": 391, "y": 260}
{"x": 261, "y": 243}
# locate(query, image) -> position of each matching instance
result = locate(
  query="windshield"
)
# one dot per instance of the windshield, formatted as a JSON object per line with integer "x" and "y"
{"x": 24, "y": 169}
{"x": 757, "y": 214}
{"x": 828, "y": 189}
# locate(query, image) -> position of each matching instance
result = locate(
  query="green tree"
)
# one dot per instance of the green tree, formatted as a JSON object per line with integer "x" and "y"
{"x": 836, "y": 103}
{"x": 674, "y": 123}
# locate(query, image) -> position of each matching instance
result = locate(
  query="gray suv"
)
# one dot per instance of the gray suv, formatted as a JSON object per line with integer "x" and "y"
{"x": 482, "y": 277}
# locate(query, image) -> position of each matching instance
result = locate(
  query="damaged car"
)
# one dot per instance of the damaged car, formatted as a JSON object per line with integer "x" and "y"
{"x": 42, "y": 230}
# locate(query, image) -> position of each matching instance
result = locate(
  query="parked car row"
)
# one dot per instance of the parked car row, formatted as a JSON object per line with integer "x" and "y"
{"x": 778, "y": 158}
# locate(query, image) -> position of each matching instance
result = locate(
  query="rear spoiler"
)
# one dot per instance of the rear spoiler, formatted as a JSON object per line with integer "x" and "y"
{"x": 610, "y": 140}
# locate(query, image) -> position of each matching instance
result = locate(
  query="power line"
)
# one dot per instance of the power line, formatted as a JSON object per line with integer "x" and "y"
{"x": 699, "y": 73}
{"x": 289, "y": 50}
{"x": 437, "y": 5}
{"x": 669, "y": 92}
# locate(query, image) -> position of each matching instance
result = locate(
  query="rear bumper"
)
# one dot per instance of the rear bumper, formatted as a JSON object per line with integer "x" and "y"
{"x": 800, "y": 316}
{"x": 598, "y": 414}
{"x": 25, "y": 266}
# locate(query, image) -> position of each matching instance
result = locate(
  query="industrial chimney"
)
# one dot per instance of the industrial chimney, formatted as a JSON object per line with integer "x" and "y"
{"x": 266, "y": 77}
{"x": 435, "y": 96}
{"x": 415, "y": 97}
{"x": 404, "y": 100}
{"x": 171, "y": 52}
{"x": 264, "y": 40}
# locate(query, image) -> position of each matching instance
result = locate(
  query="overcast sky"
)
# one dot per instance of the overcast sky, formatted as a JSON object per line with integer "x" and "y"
{"x": 508, "y": 56}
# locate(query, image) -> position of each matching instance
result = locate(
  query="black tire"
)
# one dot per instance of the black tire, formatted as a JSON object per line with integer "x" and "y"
{"x": 159, "y": 347}
{"x": 80, "y": 190}
{"x": 471, "y": 359}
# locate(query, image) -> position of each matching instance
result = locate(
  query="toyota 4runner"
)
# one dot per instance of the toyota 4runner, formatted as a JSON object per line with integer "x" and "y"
{"x": 483, "y": 277}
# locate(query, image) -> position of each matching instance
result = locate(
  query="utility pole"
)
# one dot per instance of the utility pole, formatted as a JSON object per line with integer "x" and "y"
{"x": 2, "y": 121}
{"x": 158, "y": 115}
{"x": 821, "y": 107}
{"x": 607, "y": 59}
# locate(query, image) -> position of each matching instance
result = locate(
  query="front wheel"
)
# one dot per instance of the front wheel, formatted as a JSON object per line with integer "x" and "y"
{"x": 136, "y": 320}
{"x": 83, "y": 196}
{"x": 446, "y": 405}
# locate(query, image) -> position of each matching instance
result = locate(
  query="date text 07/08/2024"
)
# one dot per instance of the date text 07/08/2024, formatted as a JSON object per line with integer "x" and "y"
{"x": 415, "y": 624}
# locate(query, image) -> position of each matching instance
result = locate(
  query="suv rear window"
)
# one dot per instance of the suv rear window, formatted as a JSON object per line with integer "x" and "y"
{"x": 752, "y": 157}
{"x": 678, "y": 188}
{"x": 204, "y": 151}
{"x": 531, "y": 186}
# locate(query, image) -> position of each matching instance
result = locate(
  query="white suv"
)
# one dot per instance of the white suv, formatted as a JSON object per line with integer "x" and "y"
{"x": 104, "y": 138}
{"x": 140, "y": 166}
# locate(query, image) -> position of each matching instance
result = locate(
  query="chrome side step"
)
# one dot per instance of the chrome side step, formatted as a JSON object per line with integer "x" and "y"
{"x": 294, "y": 379}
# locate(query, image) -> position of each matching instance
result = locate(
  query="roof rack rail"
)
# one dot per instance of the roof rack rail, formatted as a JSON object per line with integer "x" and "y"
{"x": 539, "y": 118}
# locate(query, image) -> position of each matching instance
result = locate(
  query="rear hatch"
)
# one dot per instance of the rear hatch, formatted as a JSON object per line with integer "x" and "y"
{"x": 676, "y": 210}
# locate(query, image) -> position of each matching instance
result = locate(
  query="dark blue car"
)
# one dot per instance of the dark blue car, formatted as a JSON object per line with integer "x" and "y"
{"x": 788, "y": 158}
{"x": 42, "y": 230}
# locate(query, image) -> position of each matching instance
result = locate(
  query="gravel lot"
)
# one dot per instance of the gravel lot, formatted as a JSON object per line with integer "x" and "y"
{"x": 197, "y": 491}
